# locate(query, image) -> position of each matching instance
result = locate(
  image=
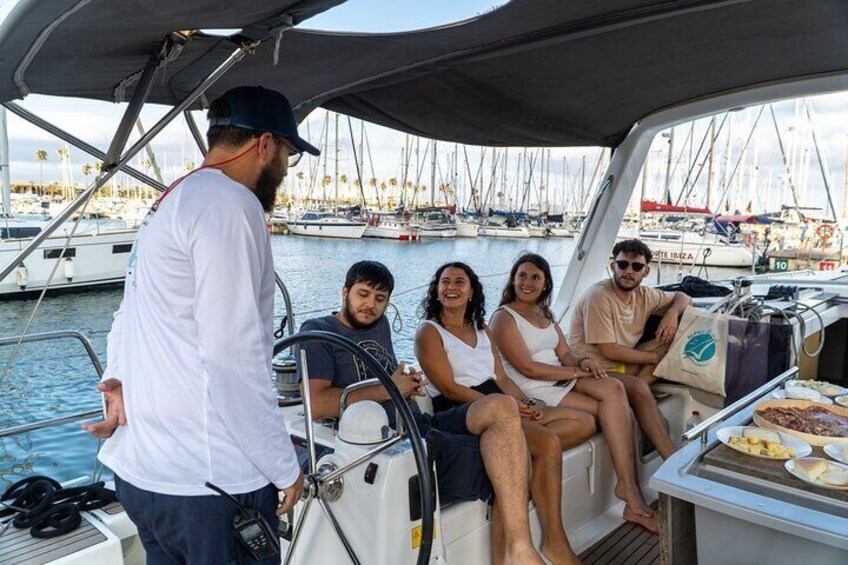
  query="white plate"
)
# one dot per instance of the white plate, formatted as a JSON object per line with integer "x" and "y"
{"x": 842, "y": 400}
{"x": 799, "y": 446}
{"x": 790, "y": 466}
{"x": 838, "y": 390}
{"x": 838, "y": 451}
{"x": 781, "y": 394}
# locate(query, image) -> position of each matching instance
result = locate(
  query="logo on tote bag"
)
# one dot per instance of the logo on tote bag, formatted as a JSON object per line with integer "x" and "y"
{"x": 700, "y": 348}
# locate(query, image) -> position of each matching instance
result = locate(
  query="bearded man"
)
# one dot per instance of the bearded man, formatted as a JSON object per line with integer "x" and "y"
{"x": 608, "y": 323}
{"x": 191, "y": 347}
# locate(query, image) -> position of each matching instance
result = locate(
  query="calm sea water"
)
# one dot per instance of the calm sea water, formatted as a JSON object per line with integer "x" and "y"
{"x": 57, "y": 378}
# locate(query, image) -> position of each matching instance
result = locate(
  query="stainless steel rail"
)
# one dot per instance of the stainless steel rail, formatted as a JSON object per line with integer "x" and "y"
{"x": 48, "y": 336}
{"x": 367, "y": 383}
{"x": 703, "y": 428}
{"x": 287, "y": 301}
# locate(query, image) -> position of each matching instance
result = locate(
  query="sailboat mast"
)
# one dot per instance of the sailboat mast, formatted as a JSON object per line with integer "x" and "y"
{"x": 433, "y": 176}
{"x": 5, "y": 182}
{"x": 336, "y": 171}
{"x": 710, "y": 167}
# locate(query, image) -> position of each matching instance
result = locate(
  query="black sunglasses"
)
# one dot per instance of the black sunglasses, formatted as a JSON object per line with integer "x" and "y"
{"x": 637, "y": 267}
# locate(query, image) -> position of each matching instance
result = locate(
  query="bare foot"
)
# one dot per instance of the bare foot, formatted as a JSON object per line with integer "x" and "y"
{"x": 632, "y": 497}
{"x": 560, "y": 555}
{"x": 651, "y": 523}
{"x": 522, "y": 556}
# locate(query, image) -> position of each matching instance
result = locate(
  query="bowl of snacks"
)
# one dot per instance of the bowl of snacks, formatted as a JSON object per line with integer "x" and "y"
{"x": 766, "y": 444}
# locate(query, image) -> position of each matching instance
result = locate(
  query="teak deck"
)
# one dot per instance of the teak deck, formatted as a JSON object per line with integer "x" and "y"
{"x": 630, "y": 544}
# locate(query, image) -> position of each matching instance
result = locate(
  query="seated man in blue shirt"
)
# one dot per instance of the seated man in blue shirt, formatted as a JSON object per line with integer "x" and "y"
{"x": 482, "y": 447}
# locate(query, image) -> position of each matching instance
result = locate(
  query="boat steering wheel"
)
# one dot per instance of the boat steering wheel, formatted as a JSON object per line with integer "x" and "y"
{"x": 319, "y": 482}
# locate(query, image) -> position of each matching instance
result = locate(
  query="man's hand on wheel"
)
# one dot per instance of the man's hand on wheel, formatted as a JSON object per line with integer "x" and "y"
{"x": 113, "y": 395}
{"x": 291, "y": 494}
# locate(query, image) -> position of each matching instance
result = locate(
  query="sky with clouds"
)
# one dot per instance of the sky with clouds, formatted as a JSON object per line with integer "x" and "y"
{"x": 755, "y": 177}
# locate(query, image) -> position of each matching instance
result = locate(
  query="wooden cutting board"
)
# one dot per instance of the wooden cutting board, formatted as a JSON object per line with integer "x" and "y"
{"x": 773, "y": 471}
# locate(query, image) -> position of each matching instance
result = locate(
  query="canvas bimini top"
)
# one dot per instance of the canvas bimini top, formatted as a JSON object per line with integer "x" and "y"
{"x": 532, "y": 72}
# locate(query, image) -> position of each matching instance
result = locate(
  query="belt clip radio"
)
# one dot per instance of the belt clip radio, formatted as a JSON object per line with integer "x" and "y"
{"x": 252, "y": 530}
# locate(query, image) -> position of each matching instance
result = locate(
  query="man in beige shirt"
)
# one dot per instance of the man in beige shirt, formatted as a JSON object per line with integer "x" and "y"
{"x": 608, "y": 322}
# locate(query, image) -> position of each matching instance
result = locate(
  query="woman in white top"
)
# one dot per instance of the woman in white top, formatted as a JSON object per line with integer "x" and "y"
{"x": 536, "y": 357}
{"x": 455, "y": 351}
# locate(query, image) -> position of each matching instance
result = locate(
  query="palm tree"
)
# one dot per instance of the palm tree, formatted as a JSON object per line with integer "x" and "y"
{"x": 41, "y": 156}
{"x": 64, "y": 155}
{"x": 86, "y": 170}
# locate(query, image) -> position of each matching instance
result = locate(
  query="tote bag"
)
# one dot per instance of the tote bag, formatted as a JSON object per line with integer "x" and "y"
{"x": 698, "y": 355}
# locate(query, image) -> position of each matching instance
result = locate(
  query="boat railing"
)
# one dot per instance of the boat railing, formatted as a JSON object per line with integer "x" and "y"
{"x": 49, "y": 336}
{"x": 702, "y": 430}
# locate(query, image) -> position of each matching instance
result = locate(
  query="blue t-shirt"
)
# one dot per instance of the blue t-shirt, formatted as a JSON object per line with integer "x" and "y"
{"x": 332, "y": 363}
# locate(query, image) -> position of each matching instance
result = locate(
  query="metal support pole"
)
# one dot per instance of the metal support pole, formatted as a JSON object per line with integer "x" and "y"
{"x": 104, "y": 176}
{"x": 139, "y": 97}
{"x": 78, "y": 143}
{"x": 195, "y": 132}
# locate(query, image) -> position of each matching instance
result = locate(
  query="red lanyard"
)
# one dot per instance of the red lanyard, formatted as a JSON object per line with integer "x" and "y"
{"x": 185, "y": 176}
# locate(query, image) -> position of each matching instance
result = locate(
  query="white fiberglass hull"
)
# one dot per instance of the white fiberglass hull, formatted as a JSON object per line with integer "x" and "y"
{"x": 561, "y": 232}
{"x": 538, "y": 231}
{"x": 693, "y": 249}
{"x": 466, "y": 230}
{"x": 400, "y": 233}
{"x": 510, "y": 233}
{"x": 91, "y": 259}
{"x": 347, "y": 230}
{"x": 436, "y": 232}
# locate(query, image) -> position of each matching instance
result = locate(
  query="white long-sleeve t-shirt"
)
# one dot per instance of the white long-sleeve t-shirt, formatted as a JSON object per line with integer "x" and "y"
{"x": 192, "y": 345}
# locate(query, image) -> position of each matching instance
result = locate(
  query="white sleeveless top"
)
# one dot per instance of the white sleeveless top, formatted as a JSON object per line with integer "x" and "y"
{"x": 471, "y": 366}
{"x": 541, "y": 343}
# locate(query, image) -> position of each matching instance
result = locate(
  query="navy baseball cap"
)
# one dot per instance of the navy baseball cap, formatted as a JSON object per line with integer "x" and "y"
{"x": 262, "y": 110}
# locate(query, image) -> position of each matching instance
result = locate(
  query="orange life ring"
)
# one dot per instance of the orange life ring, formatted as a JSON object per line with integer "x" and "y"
{"x": 824, "y": 231}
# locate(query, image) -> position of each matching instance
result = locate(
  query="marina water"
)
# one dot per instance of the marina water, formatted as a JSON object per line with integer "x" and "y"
{"x": 52, "y": 379}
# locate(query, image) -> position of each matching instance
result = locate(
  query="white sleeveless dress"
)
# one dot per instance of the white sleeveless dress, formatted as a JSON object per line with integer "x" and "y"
{"x": 541, "y": 342}
{"x": 471, "y": 366}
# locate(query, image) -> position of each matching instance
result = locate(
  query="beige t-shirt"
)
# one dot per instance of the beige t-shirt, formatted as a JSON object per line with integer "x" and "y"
{"x": 601, "y": 317}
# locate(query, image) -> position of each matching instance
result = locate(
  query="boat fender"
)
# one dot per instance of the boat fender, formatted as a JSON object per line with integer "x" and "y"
{"x": 22, "y": 276}
{"x": 68, "y": 269}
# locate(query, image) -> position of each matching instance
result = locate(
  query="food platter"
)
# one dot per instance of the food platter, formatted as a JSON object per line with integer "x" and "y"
{"x": 838, "y": 451}
{"x": 812, "y": 439}
{"x": 793, "y": 467}
{"x": 822, "y": 387}
{"x": 780, "y": 394}
{"x": 799, "y": 447}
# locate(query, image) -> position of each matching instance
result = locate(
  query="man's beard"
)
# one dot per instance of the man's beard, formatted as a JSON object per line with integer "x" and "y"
{"x": 617, "y": 281}
{"x": 351, "y": 319}
{"x": 268, "y": 182}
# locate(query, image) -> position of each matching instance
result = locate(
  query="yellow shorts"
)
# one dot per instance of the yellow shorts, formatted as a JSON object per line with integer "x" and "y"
{"x": 620, "y": 368}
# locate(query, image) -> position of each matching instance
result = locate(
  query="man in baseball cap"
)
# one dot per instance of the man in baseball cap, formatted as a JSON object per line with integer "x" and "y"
{"x": 189, "y": 400}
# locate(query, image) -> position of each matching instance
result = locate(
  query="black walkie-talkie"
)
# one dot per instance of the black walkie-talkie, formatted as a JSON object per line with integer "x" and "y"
{"x": 252, "y": 530}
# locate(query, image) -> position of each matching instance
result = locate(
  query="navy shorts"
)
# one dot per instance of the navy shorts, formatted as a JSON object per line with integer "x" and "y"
{"x": 194, "y": 529}
{"x": 459, "y": 465}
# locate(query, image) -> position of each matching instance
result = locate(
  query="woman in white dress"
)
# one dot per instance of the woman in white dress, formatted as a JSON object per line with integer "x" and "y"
{"x": 536, "y": 357}
{"x": 456, "y": 354}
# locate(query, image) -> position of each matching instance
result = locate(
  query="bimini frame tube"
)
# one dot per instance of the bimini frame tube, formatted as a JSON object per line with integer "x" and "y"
{"x": 195, "y": 132}
{"x": 40, "y": 122}
{"x": 105, "y": 175}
